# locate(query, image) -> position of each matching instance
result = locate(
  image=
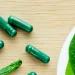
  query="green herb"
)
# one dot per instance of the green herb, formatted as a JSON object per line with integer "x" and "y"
{"x": 70, "y": 70}
{"x": 13, "y": 66}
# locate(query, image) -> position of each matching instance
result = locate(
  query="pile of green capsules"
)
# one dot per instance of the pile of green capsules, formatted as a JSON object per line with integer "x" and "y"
{"x": 8, "y": 27}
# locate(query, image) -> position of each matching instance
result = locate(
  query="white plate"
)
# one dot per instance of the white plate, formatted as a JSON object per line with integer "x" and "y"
{"x": 63, "y": 58}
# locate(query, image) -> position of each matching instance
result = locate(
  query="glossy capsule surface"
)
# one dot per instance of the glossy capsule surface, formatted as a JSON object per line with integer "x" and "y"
{"x": 1, "y": 44}
{"x": 7, "y": 27}
{"x": 37, "y": 53}
{"x": 32, "y": 73}
{"x": 20, "y": 23}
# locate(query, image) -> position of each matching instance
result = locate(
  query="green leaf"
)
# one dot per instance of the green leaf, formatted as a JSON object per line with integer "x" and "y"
{"x": 72, "y": 54}
{"x": 8, "y": 69}
{"x": 69, "y": 69}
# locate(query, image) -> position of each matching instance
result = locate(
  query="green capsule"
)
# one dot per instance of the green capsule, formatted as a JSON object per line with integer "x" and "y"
{"x": 37, "y": 53}
{"x": 32, "y": 73}
{"x": 20, "y": 24}
{"x": 1, "y": 44}
{"x": 7, "y": 28}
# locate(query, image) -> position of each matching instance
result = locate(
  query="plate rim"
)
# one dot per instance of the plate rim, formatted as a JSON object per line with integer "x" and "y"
{"x": 62, "y": 63}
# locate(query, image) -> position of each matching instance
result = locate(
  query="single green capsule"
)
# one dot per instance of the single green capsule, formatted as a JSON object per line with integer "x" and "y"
{"x": 1, "y": 44}
{"x": 20, "y": 24}
{"x": 10, "y": 68}
{"x": 37, "y": 53}
{"x": 32, "y": 73}
{"x": 7, "y": 28}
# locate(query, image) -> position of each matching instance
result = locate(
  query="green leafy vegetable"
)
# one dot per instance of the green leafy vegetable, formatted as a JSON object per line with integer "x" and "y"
{"x": 72, "y": 53}
{"x": 13, "y": 66}
{"x": 69, "y": 69}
